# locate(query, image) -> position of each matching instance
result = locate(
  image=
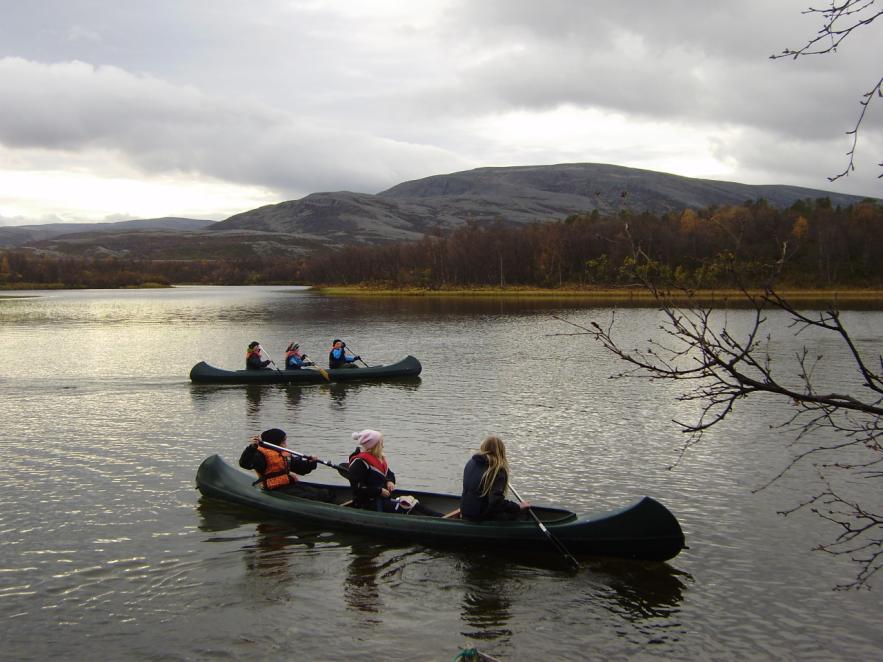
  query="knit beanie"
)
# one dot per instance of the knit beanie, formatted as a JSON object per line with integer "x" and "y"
{"x": 367, "y": 439}
{"x": 273, "y": 436}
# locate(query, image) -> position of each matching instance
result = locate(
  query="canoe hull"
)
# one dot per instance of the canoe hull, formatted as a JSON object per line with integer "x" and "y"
{"x": 203, "y": 373}
{"x": 643, "y": 530}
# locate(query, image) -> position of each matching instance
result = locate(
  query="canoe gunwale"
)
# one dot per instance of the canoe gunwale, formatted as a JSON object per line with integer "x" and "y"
{"x": 644, "y": 529}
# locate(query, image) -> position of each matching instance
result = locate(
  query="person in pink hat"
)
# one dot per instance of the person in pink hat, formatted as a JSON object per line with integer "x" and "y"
{"x": 374, "y": 483}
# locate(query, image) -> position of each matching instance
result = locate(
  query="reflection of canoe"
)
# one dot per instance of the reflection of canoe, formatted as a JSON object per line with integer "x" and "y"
{"x": 203, "y": 372}
{"x": 643, "y": 530}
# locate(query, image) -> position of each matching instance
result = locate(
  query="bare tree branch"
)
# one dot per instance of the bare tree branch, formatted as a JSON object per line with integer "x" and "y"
{"x": 839, "y": 21}
{"x": 719, "y": 368}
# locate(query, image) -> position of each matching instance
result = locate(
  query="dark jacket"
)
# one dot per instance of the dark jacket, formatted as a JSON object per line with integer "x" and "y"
{"x": 253, "y": 362}
{"x": 494, "y": 505}
{"x": 367, "y": 482}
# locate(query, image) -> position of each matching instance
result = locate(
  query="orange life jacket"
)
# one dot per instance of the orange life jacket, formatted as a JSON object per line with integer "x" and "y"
{"x": 277, "y": 472}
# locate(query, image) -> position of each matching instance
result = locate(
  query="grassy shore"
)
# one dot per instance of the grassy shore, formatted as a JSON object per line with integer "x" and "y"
{"x": 606, "y": 294}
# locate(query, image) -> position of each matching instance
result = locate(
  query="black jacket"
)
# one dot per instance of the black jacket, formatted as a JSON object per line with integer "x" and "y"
{"x": 254, "y": 362}
{"x": 493, "y": 505}
{"x": 366, "y": 482}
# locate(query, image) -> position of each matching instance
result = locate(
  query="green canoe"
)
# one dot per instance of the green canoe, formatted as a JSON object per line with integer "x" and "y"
{"x": 204, "y": 373}
{"x": 644, "y": 529}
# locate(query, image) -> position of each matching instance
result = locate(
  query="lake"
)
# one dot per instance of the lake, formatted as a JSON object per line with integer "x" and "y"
{"x": 108, "y": 552}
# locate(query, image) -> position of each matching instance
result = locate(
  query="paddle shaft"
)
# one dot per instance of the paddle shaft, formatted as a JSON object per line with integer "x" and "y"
{"x": 561, "y": 548}
{"x": 270, "y": 359}
{"x": 295, "y": 453}
{"x": 355, "y": 353}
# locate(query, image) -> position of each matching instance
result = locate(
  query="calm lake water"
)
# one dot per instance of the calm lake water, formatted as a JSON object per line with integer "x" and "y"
{"x": 108, "y": 552}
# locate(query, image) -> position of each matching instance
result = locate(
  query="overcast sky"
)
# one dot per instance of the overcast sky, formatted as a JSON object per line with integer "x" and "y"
{"x": 117, "y": 110}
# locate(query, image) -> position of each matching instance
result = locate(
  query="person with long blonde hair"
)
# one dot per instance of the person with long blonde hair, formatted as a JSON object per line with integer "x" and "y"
{"x": 485, "y": 480}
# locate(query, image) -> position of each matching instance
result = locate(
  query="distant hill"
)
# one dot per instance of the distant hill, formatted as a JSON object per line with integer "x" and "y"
{"x": 407, "y": 211}
{"x": 21, "y": 235}
{"x": 514, "y": 195}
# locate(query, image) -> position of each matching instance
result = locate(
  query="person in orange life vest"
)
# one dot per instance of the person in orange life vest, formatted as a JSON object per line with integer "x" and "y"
{"x": 485, "y": 480}
{"x": 372, "y": 480}
{"x": 294, "y": 358}
{"x": 338, "y": 358}
{"x": 254, "y": 357}
{"x": 276, "y": 469}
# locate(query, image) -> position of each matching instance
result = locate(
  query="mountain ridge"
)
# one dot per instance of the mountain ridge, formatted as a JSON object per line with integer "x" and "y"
{"x": 410, "y": 210}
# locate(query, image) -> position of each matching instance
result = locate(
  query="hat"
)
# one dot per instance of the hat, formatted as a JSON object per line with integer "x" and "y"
{"x": 338, "y": 340}
{"x": 367, "y": 439}
{"x": 253, "y": 344}
{"x": 292, "y": 346}
{"x": 273, "y": 436}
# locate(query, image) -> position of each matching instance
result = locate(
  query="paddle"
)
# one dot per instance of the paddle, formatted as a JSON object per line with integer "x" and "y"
{"x": 341, "y": 468}
{"x": 322, "y": 371}
{"x": 270, "y": 359}
{"x": 355, "y": 353}
{"x": 561, "y": 548}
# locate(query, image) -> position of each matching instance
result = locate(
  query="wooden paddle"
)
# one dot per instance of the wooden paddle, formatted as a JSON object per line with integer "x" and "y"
{"x": 561, "y": 548}
{"x": 322, "y": 371}
{"x": 341, "y": 468}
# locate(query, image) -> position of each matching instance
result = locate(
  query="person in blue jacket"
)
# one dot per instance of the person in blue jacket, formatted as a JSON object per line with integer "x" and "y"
{"x": 339, "y": 358}
{"x": 295, "y": 359}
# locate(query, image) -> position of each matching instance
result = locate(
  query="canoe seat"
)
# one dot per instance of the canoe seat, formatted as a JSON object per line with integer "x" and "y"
{"x": 454, "y": 514}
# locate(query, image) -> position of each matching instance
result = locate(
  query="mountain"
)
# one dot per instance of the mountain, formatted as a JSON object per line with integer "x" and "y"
{"x": 523, "y": 194}
{"x": 20, "y": 235}
{"x": 407, "y": 211}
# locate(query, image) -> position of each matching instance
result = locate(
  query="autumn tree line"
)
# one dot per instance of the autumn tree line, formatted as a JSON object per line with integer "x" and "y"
{"x": 816, "y": 244}
{"x": 822, "y": 246}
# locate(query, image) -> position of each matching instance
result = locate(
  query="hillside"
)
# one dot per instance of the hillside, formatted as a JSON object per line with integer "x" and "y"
{"x": 514, "y": 195}
{"x": 407, "y": 211}
{"x": 21, "y": 235}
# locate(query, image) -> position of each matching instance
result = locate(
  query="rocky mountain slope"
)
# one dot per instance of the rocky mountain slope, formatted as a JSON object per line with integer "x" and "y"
{"x": 513, "y": 195}
{"x": 407, "y": 211}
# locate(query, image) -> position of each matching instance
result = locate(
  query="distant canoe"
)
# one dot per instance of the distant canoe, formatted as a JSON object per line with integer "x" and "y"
{"x": 203, "y": 373}
{"x": 644, "y": 530}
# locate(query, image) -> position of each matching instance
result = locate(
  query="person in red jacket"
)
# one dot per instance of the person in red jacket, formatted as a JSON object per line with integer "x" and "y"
{"x": 277, "y": 470}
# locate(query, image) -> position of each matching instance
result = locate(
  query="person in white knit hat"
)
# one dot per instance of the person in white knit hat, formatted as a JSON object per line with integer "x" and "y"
{"x": 374, "y": 483}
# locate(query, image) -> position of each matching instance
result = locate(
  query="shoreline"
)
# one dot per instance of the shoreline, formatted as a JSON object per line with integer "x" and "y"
{"x": 632, "y": 294}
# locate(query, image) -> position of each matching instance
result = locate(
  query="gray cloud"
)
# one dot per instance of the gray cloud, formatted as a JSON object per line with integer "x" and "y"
{"x": 167, "y": 128}
{"x": 308, "y": 96}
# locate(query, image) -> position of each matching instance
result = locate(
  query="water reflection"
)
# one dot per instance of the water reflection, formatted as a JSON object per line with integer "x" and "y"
{"x": 487, "y": 600}
{"x": 641, "y": 591}
{"x": 360, "y": 589}
{"x": 254, "y": 396}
